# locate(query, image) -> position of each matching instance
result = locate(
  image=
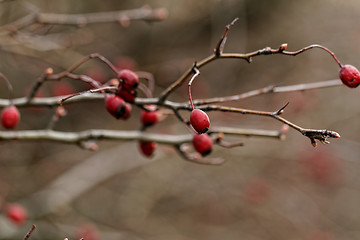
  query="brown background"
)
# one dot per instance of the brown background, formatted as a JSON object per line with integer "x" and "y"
{"x": 268, "y": 189}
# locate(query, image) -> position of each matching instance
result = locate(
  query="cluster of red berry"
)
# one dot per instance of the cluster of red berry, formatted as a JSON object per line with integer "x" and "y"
{"x": 119, "y": 106}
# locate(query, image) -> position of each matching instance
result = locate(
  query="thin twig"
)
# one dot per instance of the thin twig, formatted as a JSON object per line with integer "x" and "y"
{"x": 271, "y": 89}
{"x": 245, "y": 56}
{"x": 144, "y": 13}
{"x": 30, "y": 232}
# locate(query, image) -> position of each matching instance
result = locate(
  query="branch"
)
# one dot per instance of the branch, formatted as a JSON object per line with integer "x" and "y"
{"x": 102, "y": 134}
{"x": 145, "y": 13}
{"x": 245, "y": 56}
{"x": 312, "y": 134}
{"x": 30, "y": 232}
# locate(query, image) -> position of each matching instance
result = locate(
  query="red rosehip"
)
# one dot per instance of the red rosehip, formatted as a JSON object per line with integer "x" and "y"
{"x": 16, "y": 213}
{"x": 127, "y": 111}
{"x": 199, "y": 120}
{"x": 116, "y": 106}
{"x": 350, "y": 76}
{"x": 128, "y": 79}
{"x": 127, "y": 94}
{"x": 10, "y": 117}
{"x": 147, "y": 148}
{"x": 149, "y": 118}
{"x": 202, "y": 144}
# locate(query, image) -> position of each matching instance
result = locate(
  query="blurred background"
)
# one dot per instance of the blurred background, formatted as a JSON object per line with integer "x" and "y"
{"x": 268, "y": 189}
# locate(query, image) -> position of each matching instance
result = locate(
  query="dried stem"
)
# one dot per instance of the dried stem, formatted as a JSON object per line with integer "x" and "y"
{"x": 30, "y": 232}
{"x": 102, "y": 134}
{"x": 145, "y": 13}
{"x": 9, "y": 86}
{"x": 196, "y": 73}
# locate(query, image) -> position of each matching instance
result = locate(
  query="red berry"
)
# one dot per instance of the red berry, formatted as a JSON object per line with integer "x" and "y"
{"x": 199, "y": 120}
{"x": 127, "y": 111}
{"x": 202, "y": 144}
{"x": 149, "y": 118}
{"x": 10, "y": 117}
{"x": 127, "y": 94}
{"x": 147, "y": 148}
{"x": 16, "y": 213}
{"x": 116, "y": 106}
{"x": 128, "y": 79}
{"x": 350, "y": 76}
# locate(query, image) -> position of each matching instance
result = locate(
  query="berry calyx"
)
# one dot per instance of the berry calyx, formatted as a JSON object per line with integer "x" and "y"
{"x": 16, "y": 213}
{"x": 149, "y": 118}
{"x": 128, "y": 79}
{"x": 350, "y": 76}
{"x": 199, "y": 120}
{"x": 10, "y": 117}
{"x": 116, "y": 106}
{"x": 202, "y": 144}
{"x": 147, "y": 148}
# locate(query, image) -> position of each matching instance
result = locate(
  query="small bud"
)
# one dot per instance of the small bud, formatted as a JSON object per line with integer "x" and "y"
{"x": 49, "y": 71}
{"x": 114, "y": 82}
{"x": 61, "y": 111}
{"x": 283, "y": 47}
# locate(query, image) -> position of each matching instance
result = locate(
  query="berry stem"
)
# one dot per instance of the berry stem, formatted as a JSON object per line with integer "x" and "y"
{"x": 196, "y": 73}
{"x": 30, "y": 232}
{"x": 315, "y": 46}
{"x": 9, "y": 86}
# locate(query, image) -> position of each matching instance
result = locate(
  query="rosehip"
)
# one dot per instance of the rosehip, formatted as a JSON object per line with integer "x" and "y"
{"x": 147, "y": 148}
{"x": 202, "y": 144}
{"x": 127, "y": 94}
{"x": 199, "y": 120}
{"x": 149, "y": 118}
{"x": 10, "y": 117}
{"x": 350, "y": 76}
{"x": 116, "y": 106}
{"x": 127, "y": 111}
{"x": 128, "y": 79}
{"x": 16, "y": 213}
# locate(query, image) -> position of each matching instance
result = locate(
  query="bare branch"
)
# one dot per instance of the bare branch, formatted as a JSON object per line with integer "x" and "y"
{"x": 145, "y": 13}
{"x": 30, "y": 232}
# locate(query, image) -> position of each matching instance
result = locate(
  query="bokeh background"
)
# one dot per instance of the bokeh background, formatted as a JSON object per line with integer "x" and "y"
{"x": 268, "y": 189}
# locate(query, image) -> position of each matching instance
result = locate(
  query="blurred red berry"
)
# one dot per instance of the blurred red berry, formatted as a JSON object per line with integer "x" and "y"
{"x": 128, "y": 79}
{"x": 256, "y": 191}
{"x": 202, "y": 144}
{"x": 350, "y": 76}
{"x": 199, "y": 120}
{"x": 125, "y": 63}
{"x": 321, "y": 235}
{"x": 10, "y": 117}
{"x": 322, "y": 167}
{"x": 62, "y": 88}
{"x": 16, "y": 213}
{"x": 97, "y": 73}
{"x": 149, "y": 118}
{"x": 147, "y": 148}
{"x": 116, "y": 106}
{"x": 87, "y": 232}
